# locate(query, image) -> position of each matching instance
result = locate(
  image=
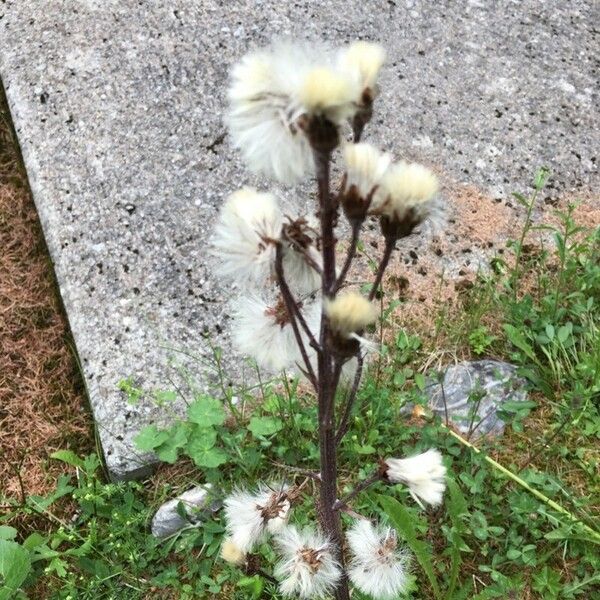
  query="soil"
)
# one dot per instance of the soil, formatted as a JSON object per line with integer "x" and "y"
{"x": 42, "y": 400}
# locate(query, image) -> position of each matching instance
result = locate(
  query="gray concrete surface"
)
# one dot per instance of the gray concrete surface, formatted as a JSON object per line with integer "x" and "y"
{"x": 118, "y": 107}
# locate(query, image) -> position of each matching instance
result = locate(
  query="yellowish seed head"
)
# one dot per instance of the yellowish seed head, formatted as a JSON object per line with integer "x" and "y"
{"x": 365, "y": 165}
{"x": 367, "y": 58}
{"x": 404, "y": 186}
{"x": 324, "y": 89}
{"x": 231, "y": 553}
{"x": 350, "y": 312}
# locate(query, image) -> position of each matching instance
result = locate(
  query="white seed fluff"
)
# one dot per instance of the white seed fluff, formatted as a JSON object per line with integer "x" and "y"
{"x": 403, "y": 187}
{"x": 247, "y": 521}
{"x": 424, "y": 474}
{"x": 258, "y": 332}
{"x": 248, "y": 227}
{"x": 270, "y": 90}
{"x": 365, "y": 166}
{"x": 299, "y": 274}
{"x": 232, "y": 553}
{"x": 366, "y": 59}
{"x": 307, "y": 568}
{"x": 378, "y": 567}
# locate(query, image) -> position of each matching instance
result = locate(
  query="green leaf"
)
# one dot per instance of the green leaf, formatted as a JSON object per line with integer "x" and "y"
{"x": 420, "y": 381}
{"x": 206, "y": 412}
{"x": 564, "y": 332}
{"x": 150, "y": 437}
{"x": 15, "y": 565}
{"x": 254, "y": 585}
{"x": 521, "y": 199}
{"x": 165, "y": 396}
{"x": 541, "y": 178}
{"x": 69, "y": 457}
{"x": 7, "y": 533}
{"x": 403, "y": 522}
{"x": 517, "y": 339}
{"x": 202, "y": 451}
{"x": 513, "y": 554}
{"x": 365, "y": 449}
{"x": 457, "y": 509}
{"x": 264, "y": 426}
{"x": 169, "y": 449}
{"x": 33, "y": 541}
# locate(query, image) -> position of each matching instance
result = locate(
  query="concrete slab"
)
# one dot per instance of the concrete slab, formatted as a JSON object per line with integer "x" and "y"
{"x": 118, "y": 106}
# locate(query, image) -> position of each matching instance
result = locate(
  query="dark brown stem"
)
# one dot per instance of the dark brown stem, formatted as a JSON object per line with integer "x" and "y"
{"x": 344, "y": 424}
{"x": 328, "y": 374}
{"x": 306, "y": 256}
{"x": 291, "y": 304}
{"x": 292, "y": 307}
{"x": 356, "y": 225}
{"x": 385, "y": 259}
{"x": 363, "y": 485}
{"x": 266, "y": 576}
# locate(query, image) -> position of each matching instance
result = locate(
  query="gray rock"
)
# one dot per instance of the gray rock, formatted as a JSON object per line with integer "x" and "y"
{"x": 194, "y": 503}
{"x": 118, "y": 108}
{"x": 472, "y": 393}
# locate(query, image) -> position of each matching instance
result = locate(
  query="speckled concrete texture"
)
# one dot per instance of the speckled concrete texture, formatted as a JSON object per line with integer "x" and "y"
{"x": 118, "y": 107}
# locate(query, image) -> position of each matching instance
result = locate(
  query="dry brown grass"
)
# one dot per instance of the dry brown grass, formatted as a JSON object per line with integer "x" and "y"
{"x": 42, "y": 401}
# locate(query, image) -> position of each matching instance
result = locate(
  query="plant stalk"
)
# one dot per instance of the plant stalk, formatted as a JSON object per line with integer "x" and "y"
{"x": 350, "y": 256}
{"x": 292, "y": 310}
{"x": 385, "y": 259}
{"x": 328, "y": 375}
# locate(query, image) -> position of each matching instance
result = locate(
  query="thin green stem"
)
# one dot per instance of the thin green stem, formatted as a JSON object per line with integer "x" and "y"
{"x": 548, "y": 501}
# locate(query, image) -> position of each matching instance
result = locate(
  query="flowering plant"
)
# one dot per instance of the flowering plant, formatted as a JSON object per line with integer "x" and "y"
{"x": 289, "y": 104}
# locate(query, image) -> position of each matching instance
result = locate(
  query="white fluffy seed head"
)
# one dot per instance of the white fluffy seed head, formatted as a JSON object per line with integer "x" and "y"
{"x": 367, "y": 59}
{"x": 349, "y": 313}
{"x": 271, "y": 90}
{"x": 329, "y": 92}
{"x": 263, "y": 331}
{"x": 365, "y": 166}
{"x": 248, "y": 228}
{"x": 378, "y": 566}
{"x": 249, "y": 516}
{"x": 261, "y": 114}
{"x": 308, "y": 568}
{"x": 424, "y": 474}
{"x": 403, "y": 187}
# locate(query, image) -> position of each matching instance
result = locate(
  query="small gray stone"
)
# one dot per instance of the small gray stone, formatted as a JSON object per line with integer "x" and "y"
{"x": 168, "y": 520}
{"x": 472, "y": 393}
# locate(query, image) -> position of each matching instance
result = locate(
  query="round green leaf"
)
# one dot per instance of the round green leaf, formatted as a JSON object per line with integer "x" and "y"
{"x": 206, "y": 412}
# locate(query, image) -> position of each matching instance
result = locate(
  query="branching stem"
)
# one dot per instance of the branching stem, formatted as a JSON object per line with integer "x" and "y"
{"x": 356, "y": 226}
{"x": 292, "y": 309}
{"x": 385, "y": 259}
{"x": 363, "y": 485}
